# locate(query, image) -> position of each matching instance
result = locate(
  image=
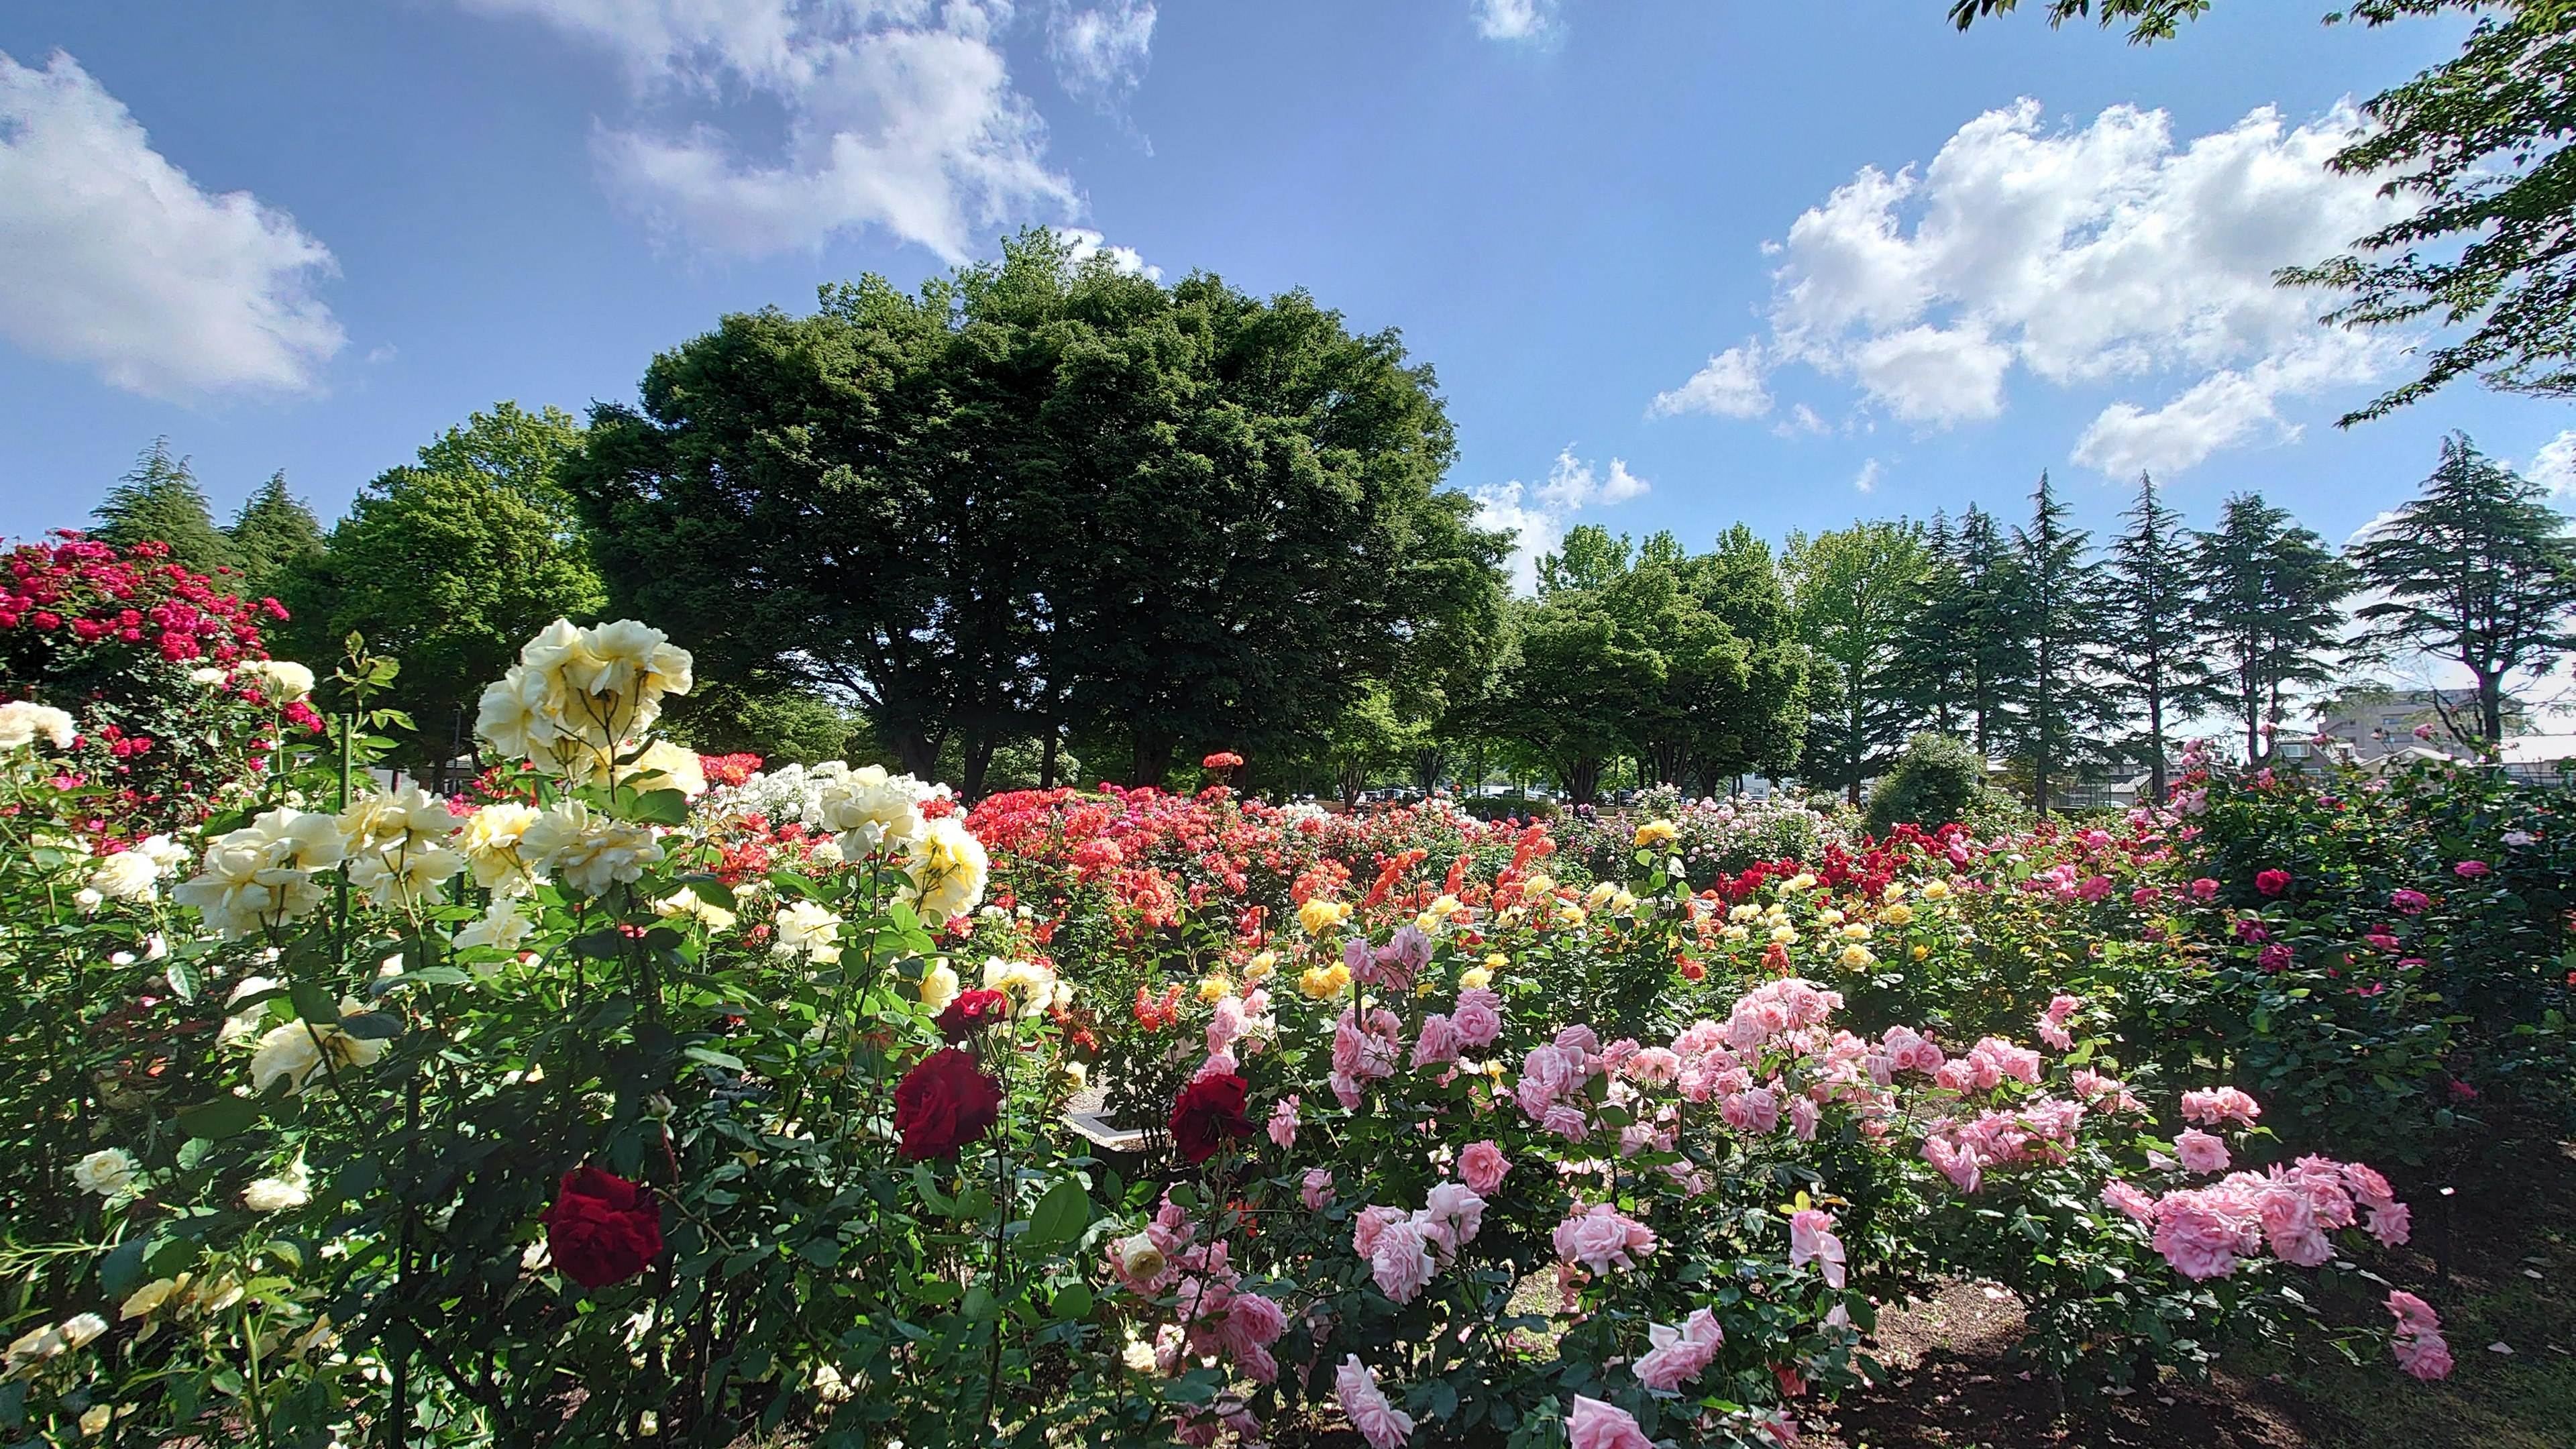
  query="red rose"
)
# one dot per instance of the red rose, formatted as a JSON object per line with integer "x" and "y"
{"x": 970, "y": 1010}
{"x": 602, "y": 1229}
{"x": 2272, "y": 882}
{"x": 1210, "y": 1110}
{"x": 945, "y": 1103}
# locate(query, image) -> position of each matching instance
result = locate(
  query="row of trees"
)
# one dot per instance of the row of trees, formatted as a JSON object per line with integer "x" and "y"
{"x": 1040, "y": 512}
{"x": 2045, "y": 653}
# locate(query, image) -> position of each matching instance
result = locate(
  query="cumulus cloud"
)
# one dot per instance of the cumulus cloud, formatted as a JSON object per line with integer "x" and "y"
{"x": 900, "y": 114}
{"x": 1086, "y": 244}
{"x": 1538, "y": 515}
{"x": 1867, "y": 481}
{"x": 2084, "y": 255}
{"x": 1100, "y": 51}
{"x": 1515, "y": 19}
{"x": 2554, "y": 466}
{"x": 116, "y": 260}
{"x": 1730, "y": 386}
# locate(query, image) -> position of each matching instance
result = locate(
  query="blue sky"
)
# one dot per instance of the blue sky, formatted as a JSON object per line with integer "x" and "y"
{"x": 1677, "y": 264}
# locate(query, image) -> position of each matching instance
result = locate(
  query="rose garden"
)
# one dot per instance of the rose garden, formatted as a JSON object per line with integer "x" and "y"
{"x": 629, "y": 1095}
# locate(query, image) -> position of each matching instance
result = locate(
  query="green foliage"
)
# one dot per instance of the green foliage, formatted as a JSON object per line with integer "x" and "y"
{"x": 269, "y": 536}
{"x": 2155, "y": 656}
{"x": 2270, "y": 607}
{"x": 1036, "y": 494}
{"x": 1937, "y": 779}
{"x": 778, "y": 721}
{"x": 160, "y": 502}
{"x": 2480, "y": 570}
{"x": 1855, "y": 590}
{"x": 450, "y": 565}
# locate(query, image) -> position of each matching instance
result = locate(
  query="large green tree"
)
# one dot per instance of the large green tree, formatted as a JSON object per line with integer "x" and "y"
{"x": 1760, "y": 728}
{"x": 1037, "y": 495}
{"x": 2062, "y": 712}
{"x": 272, "y": 530}
{"x": 2157, "y": 662}
{"x": 159, "y": 501}
{"x": 450, "y": 565}
{"x": 1854, "y": 590}
{"x": 2477, "y": 570}
{"x": 1961, "y": 662}
{"x": 2270, "y": 602}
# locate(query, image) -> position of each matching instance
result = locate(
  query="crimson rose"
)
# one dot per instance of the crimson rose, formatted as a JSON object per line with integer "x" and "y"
{"x": 602, "y": 1229}
{"x": 1210, "y": 1110}
{"x": 945, "y": 1103}
{"x": 970, "y": 1010}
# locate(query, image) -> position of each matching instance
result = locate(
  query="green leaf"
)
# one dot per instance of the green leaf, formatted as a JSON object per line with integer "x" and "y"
{"x": 221, "y": 1117}
{"x": 314, "y": 1004}
{"x": 121, "y": 1271}
{"x": 1073, "y": 1301}
{"x": 714, "y": 1058}
{"x": 660, "y": 807}
{"x": 1060, "y": 1215}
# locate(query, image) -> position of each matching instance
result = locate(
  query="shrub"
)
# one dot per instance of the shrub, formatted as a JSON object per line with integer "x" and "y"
{"x": 1936, "y": 780}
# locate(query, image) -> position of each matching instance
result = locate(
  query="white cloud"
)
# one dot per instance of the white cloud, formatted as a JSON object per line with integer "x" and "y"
{"x": 1801, "y": 419}
{"x": 1086, "y": 244}
{"x": 1730, "y": 386}
{"x": 1101, "y": 51}
{"x": 2554, "y": 466}
{"x": 116, "y": 260}
{"x": 1870, "y": 473}
{"x": 1515, "y": 19}
{"x": 900, "y": 114}
{"x": 2083, "y": 255}
{"x": 1540, "y": 515}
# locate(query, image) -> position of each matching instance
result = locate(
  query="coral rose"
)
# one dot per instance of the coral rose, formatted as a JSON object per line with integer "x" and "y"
{"x": 945, "y": 1103}
{"x": 1209, "y": 1111}
{"x": 602, "y": 1229}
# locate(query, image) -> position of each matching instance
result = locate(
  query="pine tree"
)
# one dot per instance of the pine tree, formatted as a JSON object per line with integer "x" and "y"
{"x": 2158, "y": 659}
{"x": 160, "y": 502}
{"x": 2271, "y": 608}
{"x": 1980, "y": 616}
{"x": 272, "y": 531}
{"x": 1931, "y": 673}
{"x": 2479, "y": 570}
{"x": 2061, "y": 615}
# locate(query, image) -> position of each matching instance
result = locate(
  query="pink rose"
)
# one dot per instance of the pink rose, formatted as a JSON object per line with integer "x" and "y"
{"x": 2409, "y": 902}
{"x": 1283, "y": 1122}
{"x": 1479, "y": 1017}
{"x": 1592, "y": 1424}
{"x": 1679, "y": 1354}
{"x": 2204, "y": 889}
{"x": 1600, "y": 1238}
{"x": 1400, "y": 1258}
{"x": 2128, "y": 1198}
{"x": 1380, "y": 1423}
{"x": 1812, "y": 1240}
{"x": 1451, "y": 1216}
{"x": 1437, "y": 1043}
{"x": 2200, "y": 1152}
{"x": 1481, "y": 1165}
{"x": 1318, "y": 1189}
{"x": 2200, "y": 1241}
{"x": 2219, "y": 1104}
{"x": 1370, "y": 1225}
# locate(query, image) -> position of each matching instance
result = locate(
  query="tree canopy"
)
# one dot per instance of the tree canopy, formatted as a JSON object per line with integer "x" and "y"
{"x": 159, "y": 501}
{"x": 1038, "y": 494}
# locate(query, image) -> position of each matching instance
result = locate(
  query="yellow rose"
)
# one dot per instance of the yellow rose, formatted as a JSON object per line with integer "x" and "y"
{"x": 1474, "y": 977}
{"x": 1323, "y": 983}
{"x": 1569, "y": 915}
{"x": 1936, "y": 890}
{"x": 1921, "y": 951}
{"x": 1624, "y": 903}
{"x": 1214, "y": 988}
{"x": 1899, "y": 914}
{"x": 1830, "y": 916}
{"x": 1599, "y": 896}
{"x": 1657, "y": 832}
{"x": 1802, "y": 881}
{"x": 1856, "y": 931}
{"x": 1320, "y": 915}
{"x": 1896, "y": 890}
{"x": 1784, "y": 935}
{"x": 1536, "y": 886}
{"x": 1258, "y": 969}
{"x": 1856, "y": 957}
{"x": 1496, "y": 961}
{"x": 1736, "y": 933}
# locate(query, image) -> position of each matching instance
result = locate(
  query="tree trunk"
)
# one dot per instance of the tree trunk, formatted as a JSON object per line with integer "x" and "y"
{"x": 1583, "y": 781}
{"x": 2491, "y": 707}
{"x": 2156, "y": 744}
{"x": 1153, "y": 758}
{"x": 917, "y": 750}
{"x": 979, "y": 763}
{"x": 1046, "y": 760}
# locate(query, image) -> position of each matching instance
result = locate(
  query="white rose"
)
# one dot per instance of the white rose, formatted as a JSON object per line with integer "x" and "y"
{"x": 21, "y": 721}
{"x": 292, "y": 1188}
{"x": 806, "y": 929}
{"x": 108, "y": 1173}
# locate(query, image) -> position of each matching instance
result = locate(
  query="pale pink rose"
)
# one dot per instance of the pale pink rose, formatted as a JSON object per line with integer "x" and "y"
{"x": 1372, "y": 1221}
{"x": 2413, "y": 1312}
{"x": 1479, "y": 1017}
{"x": 1592, "y": 1424}
{"x": 2128, "y": 1198}
{"x": 2056, "y": 1035}
{"x": 2392, "y": 1224}
{"x": 2200, "y": 1152}
{"x": 1283, "y": 1122}
{"x": 1812, "y": 1240}
{"x": 1225, "y": 1025}
{"x": 2220, "y": 1104}
{"x": 1751, "y": 1111}
{"x": 1566, "y": 1122}
{"x": 1436, "y": 1044}
{"x": 1679, "y": 1354}
{"x": 1600, "y": 1238}
{"x": 1654, "y": 1067}
{"x": 1400, "y": 1259}
{"x": 1804, "y": 1116}
{"x": 1450, "y": 1217}
{"x": 1380, "y": 1423}
{"x": 2199, "y": 1239}
{"x": 1318, "y": 1189}
{"x": 1953, "y": 1161}
{"x": 1346, "y": 1089}
{"x": 1252, "y": 1322}
{"x": 1579, "y": 1039}
{"x": 1482, "y": 1166}
{"x": 2425, "y": 1355}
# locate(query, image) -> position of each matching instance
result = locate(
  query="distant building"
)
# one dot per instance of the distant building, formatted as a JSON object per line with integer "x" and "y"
{"x": 2376, "y": 722}
{"x": 2543, "y": 758}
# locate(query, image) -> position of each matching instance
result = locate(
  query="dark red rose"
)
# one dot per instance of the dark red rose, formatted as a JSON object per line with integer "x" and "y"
{"x": 1210, "y": 1111}
{"x": 970, "y": 1010}
{"x": 945, "y": 1103}
{"x": 2272, "y": 882}
{"x": 602, "y": 1229}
